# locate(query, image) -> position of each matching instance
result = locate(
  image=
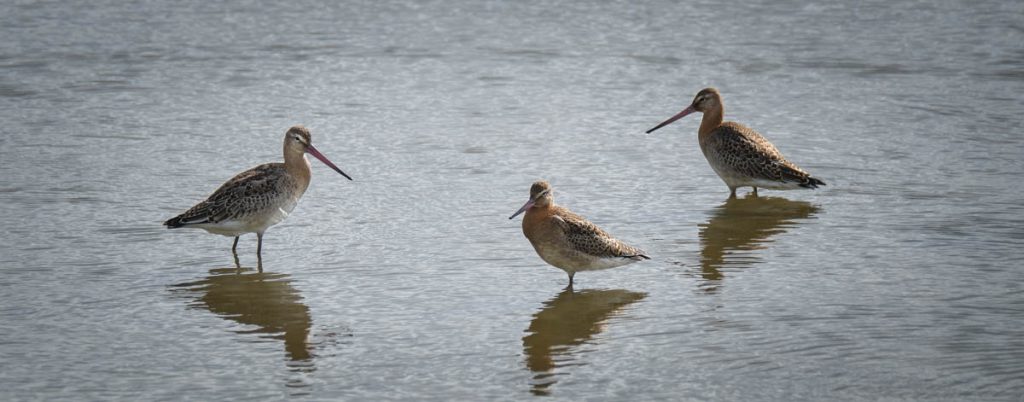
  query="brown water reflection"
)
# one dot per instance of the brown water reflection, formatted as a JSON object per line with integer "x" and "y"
{"x": 569, "y": 319}
{"x": 741, "y": 225}
{"x": 264, "y": 300}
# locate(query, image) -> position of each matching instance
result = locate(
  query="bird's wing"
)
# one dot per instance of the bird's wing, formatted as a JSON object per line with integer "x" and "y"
{"x": 246, "y": 193}
{"x": 587, "y": 238}
{"x": 751, "y": 154}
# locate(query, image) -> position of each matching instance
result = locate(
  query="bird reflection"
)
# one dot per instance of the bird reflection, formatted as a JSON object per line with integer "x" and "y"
{"x": 570, "y": 319}
{"x": 741, "y": 225}
{"x": 265, "y": 300}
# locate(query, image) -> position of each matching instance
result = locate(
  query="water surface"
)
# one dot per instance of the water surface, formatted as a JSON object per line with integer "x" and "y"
{"x": 899, "y": 280}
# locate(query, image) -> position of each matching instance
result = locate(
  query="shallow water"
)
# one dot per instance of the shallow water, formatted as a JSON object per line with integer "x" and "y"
{"x": 900, "y": 279}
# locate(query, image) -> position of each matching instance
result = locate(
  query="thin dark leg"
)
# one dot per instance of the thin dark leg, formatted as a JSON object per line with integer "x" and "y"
{"x": 732, "y": 192}
{"x": 234, "y": 253}
{"x": 755, "y": 191}
{"x": 259, "y": 251}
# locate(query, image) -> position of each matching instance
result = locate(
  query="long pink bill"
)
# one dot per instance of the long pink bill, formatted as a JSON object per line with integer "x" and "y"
{"x": 680, "y": 115}
{"x": 322, "y": 158}
{"x": 526, "y": 206}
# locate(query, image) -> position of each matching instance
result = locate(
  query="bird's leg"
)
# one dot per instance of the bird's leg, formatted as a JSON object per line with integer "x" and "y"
{"x": 732, "y": 193}
{"x": 234, "y": 253}
{"x": 259, "y": 251}
{"x": 755, "y": 191}
{"x": 571, "y": 274}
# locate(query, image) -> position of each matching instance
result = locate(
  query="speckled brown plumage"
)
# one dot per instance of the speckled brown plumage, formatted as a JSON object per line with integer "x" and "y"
{"x": 252, "y": 194}
{"x": 567, "y": 240}
{"x": 586, "y": 238}
{"x": 258, "y": 198}
{"x": 737, "y": 153}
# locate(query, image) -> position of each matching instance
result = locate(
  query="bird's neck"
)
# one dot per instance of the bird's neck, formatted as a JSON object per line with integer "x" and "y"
{"x": 711, "y": 120}
{"x": 536, "y": 226}
{"x": 297, "y": 165}
{"x": 538, "y": 212}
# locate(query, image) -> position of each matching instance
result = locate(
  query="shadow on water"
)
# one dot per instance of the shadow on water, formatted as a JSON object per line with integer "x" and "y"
{"x": 264, "y": 300}
{"x": 569, "y": 319}
{"x": 741, "y": 225}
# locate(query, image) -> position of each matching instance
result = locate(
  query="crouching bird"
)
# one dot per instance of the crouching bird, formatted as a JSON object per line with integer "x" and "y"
{"x": 569, "y": 241}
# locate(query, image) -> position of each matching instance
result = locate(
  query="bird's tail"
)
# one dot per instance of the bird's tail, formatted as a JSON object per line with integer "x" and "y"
{"x": 203, "y": 212}
{"x": 638, "y": 255}
{"x": 175, "y": 222}
{"x": 187, "y": 218}
{"x": 793, "y": 174}
{"x": 812, "y": 182}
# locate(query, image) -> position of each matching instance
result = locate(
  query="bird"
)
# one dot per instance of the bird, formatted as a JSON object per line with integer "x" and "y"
{"x": 569, "y": 241}
{"x": 737, "y": 153}
{"x": 258, "y": 198}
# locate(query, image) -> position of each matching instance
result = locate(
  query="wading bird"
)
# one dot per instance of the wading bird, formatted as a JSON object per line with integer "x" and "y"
{"x": 258, "y": 198}
{"x": 568, "y": 241}
{"x": 740, "y": 155}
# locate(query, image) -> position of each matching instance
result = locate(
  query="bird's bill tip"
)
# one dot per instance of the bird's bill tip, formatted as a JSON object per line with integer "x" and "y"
{"x": 322, "y": 158}
{"x": 526, "y": 206}
{"x": 688, "y": 110}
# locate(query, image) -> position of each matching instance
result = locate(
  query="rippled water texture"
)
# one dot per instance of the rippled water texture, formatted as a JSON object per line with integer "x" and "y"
{"x": 901, "y": 279}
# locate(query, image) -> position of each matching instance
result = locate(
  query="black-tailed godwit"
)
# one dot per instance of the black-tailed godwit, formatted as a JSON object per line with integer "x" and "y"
{"x": 567, "y": 240}
{"x": 258, "y": 198}
{"x": 740, "y": 155}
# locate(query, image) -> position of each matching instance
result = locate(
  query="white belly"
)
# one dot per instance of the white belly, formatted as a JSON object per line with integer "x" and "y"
{"x": 257, "y": 222}
{"x": 574, "y": 261}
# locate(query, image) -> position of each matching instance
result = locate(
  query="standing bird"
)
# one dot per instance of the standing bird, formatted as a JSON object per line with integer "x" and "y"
{"x": 258, "y": 198}
{"x": 740, "y": 155}
{"x": 568, "y": 241}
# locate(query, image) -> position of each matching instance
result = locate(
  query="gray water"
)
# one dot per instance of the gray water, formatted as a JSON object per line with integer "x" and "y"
{"x": 902, "y": 279}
